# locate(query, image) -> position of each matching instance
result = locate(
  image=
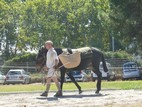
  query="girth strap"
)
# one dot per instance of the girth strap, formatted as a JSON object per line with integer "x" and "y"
{"x": 69, "y": 50}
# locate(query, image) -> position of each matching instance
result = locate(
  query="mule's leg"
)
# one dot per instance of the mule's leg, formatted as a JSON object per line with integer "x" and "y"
{"x": 99, "y": 75}
{"x": 62, "y": 71}
{"x": 73, "y": 80}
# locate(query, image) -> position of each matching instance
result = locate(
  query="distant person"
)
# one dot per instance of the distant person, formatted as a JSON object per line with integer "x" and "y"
{"x": 51, "y": 65}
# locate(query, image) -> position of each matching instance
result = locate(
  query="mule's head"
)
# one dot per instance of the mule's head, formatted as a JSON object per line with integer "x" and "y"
{"x": 41, "y": 58}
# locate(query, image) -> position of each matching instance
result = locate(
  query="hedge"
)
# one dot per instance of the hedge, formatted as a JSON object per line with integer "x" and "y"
{"x": 118, "y": 54}
{"x": 31, "y": 57}
{"x": 27, "y": 57}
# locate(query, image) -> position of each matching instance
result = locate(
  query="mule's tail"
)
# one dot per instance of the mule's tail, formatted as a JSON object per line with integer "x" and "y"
{"x": 104, "y": 64}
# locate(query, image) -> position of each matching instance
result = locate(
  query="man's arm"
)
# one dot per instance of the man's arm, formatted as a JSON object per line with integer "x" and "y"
{"x": 56, "y": 60}
{"x": 56, "y": 64}
{"x": 45, "y": 68}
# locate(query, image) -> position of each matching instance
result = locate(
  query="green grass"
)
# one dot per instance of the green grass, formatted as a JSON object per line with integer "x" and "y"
{"x": 124, "y": 85}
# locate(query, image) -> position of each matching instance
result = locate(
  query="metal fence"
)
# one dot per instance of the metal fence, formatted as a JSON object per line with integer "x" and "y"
{"x": 27, "y": 66}
{"x": 30, "y": 67}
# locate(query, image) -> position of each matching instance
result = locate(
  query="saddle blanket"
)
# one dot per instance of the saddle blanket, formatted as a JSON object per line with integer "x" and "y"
{"x": 74, "y": 59}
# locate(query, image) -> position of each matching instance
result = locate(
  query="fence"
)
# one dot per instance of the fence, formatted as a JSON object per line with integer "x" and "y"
{"x": 27, "y": 66}
{"x": 116, "y": 62}
{"x": 30, "y": 67}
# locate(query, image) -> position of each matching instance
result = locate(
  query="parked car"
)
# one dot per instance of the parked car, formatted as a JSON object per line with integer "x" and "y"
{"x": 88, "y": 71}
{"x": 104, "y": 74}
{"x": 2, "y": 78}
{"x": 17, "y": 76}
{"x": 78, "y": 75}
{"x": 130, "y": 70}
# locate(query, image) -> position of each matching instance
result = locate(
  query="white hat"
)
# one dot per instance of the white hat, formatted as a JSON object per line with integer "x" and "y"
{"x": 49, "y": 42}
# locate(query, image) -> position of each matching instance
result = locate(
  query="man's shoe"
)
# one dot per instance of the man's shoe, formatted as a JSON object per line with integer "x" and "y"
{"x": 44, "y": 94}
{"x": 58, "y": 94}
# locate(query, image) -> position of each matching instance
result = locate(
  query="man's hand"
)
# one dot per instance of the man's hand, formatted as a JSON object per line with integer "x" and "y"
{"x": 45, "y": 68}
{"x": 56, "y": 67}
{"x": 56, "y": 64}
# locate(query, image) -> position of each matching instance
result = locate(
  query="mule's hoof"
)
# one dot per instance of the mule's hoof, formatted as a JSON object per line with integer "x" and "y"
{"x": 97, "y": 92}
{"x": 80, "y": 91}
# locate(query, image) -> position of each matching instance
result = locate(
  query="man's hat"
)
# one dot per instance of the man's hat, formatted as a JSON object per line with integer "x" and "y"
{"x": 49, "y": 42}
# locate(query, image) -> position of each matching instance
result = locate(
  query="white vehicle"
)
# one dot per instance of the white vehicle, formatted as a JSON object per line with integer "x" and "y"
{"x": 2, "y": 78}
{"x": 17, "y": 76}
{"x": 104, "y": 74}
{"x": 78, "y": 76}
{"x": 130, "y": 70}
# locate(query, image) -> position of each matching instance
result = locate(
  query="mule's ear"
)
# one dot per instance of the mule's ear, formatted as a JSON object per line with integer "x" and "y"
{"x": 43, "y": 48}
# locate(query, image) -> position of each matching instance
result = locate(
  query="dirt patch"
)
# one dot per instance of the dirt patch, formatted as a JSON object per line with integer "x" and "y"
{"x": 107, "y": 98}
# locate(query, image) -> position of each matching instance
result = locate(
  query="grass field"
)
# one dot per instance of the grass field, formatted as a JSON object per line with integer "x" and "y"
{"x": 124, "y": 85}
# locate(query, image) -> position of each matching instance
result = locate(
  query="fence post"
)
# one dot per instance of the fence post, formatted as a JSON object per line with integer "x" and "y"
{"x": 27, "y": 67}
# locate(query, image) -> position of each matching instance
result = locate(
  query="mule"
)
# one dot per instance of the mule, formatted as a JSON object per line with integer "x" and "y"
{"x": 92, "y": 60}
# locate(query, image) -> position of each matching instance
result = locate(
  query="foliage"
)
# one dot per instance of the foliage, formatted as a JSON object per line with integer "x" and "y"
{"x": 18, "y": 61}
{"x": 70, "y": 23}
{"x": 126, "y": 17}
{"x": 28, "y": 57}
{"x": 118, "y": 54}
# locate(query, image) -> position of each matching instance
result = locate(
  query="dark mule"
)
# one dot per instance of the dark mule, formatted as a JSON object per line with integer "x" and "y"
{"x": 94, "y": 60}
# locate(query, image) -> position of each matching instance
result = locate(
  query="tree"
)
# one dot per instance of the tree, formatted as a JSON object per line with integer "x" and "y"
{"x": 9, "y": 14}
{"x": 127, "y": 18}
{"x": 68, "y": 23}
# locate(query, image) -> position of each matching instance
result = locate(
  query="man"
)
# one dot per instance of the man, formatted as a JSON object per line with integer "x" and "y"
{"x": 51, "y": 65}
